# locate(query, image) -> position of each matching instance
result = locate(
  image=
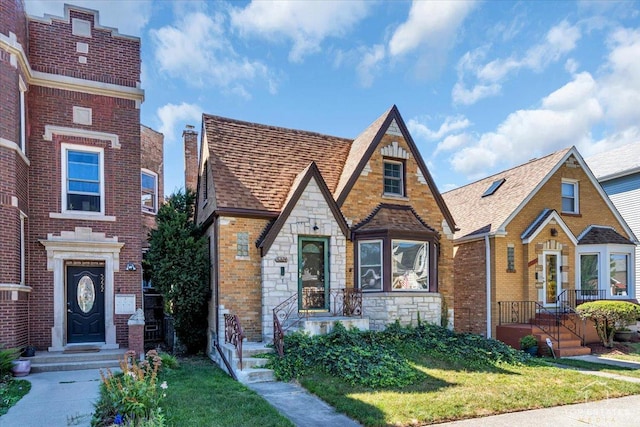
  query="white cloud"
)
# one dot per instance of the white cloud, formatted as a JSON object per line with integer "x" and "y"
{"x": 196, "y": 49}
{"x": 172, "y": 115}
{"x": 450, "y": 124}
{"x": 621, "y": 87}
{"x": 305, "y": 23}
{"x": 559, "y": 40}
{"x": 564, "y": 118}
{"x": 452, "y": 142}
{"x": 128, "y": 16}
{"x": 370, "y": 64}
{"x": 431, "y": 23}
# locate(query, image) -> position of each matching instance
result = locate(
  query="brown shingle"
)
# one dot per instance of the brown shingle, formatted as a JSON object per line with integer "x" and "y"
{"x": 393, "y": 217}
{"x": 476, "y": 215}
{"x": 600, "y": 235}
{"x": 254, "y": 165}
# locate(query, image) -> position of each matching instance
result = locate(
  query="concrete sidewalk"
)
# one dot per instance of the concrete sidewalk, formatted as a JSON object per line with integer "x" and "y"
{"x": 56, "y": 399}
{"x": 596, "y": 358}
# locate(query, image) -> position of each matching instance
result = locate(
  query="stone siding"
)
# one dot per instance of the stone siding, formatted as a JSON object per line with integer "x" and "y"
{"x": 311, "y": 210}
{"x": 385, "y": 308}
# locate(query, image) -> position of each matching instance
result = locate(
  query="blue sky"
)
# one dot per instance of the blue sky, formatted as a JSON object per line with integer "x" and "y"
{"x": 482, "y": 86}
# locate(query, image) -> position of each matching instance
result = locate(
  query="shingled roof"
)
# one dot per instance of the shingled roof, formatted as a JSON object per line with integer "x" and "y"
{"x": 595, "y": 235}
{"x": 476, "y": 215}
{"x": 393, "y": 217}
{"x": 254, "y": 165}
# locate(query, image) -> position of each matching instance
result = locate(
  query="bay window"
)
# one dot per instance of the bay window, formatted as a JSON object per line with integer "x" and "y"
{"x": 410, "y": 265}
{"x": 370, "y": 265}
{"x": 606, "y": 269}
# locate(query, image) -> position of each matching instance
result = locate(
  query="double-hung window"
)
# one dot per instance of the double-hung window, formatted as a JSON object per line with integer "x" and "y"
{"x": 149, "y": 183}
{"x": 370, "y": 264}
{"x": 83, "y": 179}
{"x": 393, "y": 178}
{"x": 570, "y": 197}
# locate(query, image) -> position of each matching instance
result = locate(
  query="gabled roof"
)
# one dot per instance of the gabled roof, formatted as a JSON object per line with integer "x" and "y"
{"x": 544, "y": 218}
{"x": 615, "y": 163}
{"x": 395, "y": 218}
{"x": 597, "y": 234}
{"x": 301, "y": 182}
{"x": 254, "y": 165}
{"x": 362, "y": 149}
{"x": 476, "y": 215}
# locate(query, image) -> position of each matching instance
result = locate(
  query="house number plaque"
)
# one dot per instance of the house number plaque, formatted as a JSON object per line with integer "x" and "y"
{"x": 281, "y": 259}
{"x": 125, "y": 304}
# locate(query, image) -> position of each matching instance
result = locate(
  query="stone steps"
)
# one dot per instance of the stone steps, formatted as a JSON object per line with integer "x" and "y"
{"x": 251, "y": 370}
{"x": 58, "y": 361}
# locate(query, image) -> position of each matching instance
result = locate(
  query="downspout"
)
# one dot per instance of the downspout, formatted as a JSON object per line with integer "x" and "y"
{"x": 216, "y": 279}
{"x": 487, "y": 256}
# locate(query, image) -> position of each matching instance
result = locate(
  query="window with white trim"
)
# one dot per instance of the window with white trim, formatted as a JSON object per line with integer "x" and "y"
{"x": 570, "y": 197}
{"x": 619, "y": 274}
{"x": 242, "y": 244}
{"x": 606, "y": 269}
{"x": 589, "y": 273}
{"x": 393, "y": 178}
{"x": 149, "y": 197}
{"x": 82, "y": 179}
{"x": 370, "y": 265}
{"x": 22, "y": 250}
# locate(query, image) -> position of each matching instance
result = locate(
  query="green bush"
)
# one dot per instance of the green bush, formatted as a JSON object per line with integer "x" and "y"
{"x": 379, "y": 359}
{"x": 528, "y": 341}
{"x": 7, "y": 356}
{"x": 169, "y": 361}
{"x": 609, "y": 316}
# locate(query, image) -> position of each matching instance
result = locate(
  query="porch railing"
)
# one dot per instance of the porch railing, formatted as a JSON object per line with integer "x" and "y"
{"x": 566, "y": 304}
{"x": 288, "y": 314}
{"x": 233, "y": 334}
{"x": 529, "y": 312}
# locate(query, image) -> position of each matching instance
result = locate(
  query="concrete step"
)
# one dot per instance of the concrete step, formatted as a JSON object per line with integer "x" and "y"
{"x": 257, "y": 375}
{"x": 58, "y": 361}
{"x": 251, "y": 362}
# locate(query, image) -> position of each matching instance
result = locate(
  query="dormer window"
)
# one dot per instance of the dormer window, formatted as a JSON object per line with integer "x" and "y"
{"x": 570, "y": 197}
{"x": 393, "y": 178}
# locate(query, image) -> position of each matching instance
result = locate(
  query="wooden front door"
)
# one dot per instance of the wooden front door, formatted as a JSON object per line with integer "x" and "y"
{"x": 313, "y": 273}
{"x": 85, "y": 304}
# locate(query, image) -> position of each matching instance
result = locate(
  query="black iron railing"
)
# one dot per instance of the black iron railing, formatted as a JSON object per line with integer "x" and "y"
{"x": 569, "y": 299}
{"x": 233, "y": 334}
{"x": 288, "y": 314}
{"x": 531, "y": 313}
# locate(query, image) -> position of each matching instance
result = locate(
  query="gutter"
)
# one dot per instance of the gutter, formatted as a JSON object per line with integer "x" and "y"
{"x": 487, "y": 250}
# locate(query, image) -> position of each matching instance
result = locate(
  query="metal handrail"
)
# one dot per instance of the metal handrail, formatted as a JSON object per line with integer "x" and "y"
{"x": 225, "y": 361}
{"x": 566, "y": 304}
{"x": 528, "y": 312}
{"x": 233, "y": 333}
{"x": 287, "y": 314}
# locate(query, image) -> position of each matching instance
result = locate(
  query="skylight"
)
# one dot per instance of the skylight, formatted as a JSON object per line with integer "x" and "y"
{"x": 493, "y": 187}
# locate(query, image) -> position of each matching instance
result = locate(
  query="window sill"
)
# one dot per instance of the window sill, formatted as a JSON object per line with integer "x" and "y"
{"x": 154, "y": 213}
{"x": 572, "y": 214}
{"x": 82, "y": 216}
{"x": 394, "y": 196}
{"x": 243, "y": 258}
{"x": 510, "y": 270}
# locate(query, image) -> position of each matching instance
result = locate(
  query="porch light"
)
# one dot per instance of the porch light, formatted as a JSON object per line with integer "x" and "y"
{"x": 554, "y": 232}
{"x": 131, "y": 266}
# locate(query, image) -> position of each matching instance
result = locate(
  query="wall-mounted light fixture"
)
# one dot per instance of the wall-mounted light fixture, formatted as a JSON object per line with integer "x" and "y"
{"x": 315, "y": 227}
{"x": 131, "y": 266}
{"x": 554, "y": 232}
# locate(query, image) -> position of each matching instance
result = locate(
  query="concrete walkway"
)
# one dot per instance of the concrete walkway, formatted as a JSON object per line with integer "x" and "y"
{"x": 56, "y": 399}
{"x": 300, "y": 406}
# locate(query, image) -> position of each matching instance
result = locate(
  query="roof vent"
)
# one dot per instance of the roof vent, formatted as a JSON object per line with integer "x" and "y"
{"x": 493, "y": 187}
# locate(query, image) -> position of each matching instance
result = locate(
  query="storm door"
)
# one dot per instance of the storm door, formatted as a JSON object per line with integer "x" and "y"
{"x": 552, "y": 280}
{"x": 85, "y": 304}
{"x": 313, "y": 273}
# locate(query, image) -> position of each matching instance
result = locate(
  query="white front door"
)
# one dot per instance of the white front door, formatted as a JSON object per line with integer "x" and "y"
{"x": 552, "y": 281}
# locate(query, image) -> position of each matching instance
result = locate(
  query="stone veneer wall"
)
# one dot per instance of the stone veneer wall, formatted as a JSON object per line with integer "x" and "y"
{"x": 311, "y": 210}
{"x": 387, "y": 307}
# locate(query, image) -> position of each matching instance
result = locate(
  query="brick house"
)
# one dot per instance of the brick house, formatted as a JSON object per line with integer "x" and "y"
{"x": 309, "y": 218}
{"x": 618, "y": 171}
{"x": 70, "y": 160}
{"x": 537, "y": 238}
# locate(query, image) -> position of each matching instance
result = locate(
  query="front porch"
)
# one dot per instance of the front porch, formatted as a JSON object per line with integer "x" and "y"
{"x": 559, "y": 322}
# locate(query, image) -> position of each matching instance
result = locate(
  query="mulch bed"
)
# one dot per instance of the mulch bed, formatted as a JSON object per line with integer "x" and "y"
{"x": 618, "y": 347}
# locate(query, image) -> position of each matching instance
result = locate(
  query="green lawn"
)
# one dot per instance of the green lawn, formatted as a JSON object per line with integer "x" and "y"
{"x": 449, "y": 393}
{"x": 200, "y": 394}
{"x": 633, "y": 356}
{"x": 599, "y": 367}
{"x": 12, "y": 390}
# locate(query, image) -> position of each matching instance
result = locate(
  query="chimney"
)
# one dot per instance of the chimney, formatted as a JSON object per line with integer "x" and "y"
{"x": 190, "y": 138}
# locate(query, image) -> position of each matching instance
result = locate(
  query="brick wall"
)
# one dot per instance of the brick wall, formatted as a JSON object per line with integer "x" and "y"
{"x": 190, "y": 140}
{"x": 366, "y": 194}
{"x": 152, "y": 158}
{"x": 239, "y": 277}
{"x": 471, "y": 287}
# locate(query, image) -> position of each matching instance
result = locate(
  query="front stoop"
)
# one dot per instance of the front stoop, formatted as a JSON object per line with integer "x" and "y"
{"x": 570, "y": 344}
{"x": 252, "y": 370}
{"x": 45, "y": 361}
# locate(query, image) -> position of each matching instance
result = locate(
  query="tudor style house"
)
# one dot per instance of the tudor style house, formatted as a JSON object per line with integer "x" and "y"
{"x": 534, "y": 241}
{"x": 70, "y": 169}
{"x": 309, "y": 218}
{"x": 618, "y": 171}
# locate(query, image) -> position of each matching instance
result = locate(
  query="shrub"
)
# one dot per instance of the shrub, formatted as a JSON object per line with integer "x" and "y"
{"x": 169, "y": 361}
{"x": 131, "y": 398}
{"x": 609, "y": 316}
{"x": 528, "y": 341}
{"x": 7, "y": 356}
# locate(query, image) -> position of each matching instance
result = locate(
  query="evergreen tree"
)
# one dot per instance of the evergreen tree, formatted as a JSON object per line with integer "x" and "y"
{"x": 179, "y": 258}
